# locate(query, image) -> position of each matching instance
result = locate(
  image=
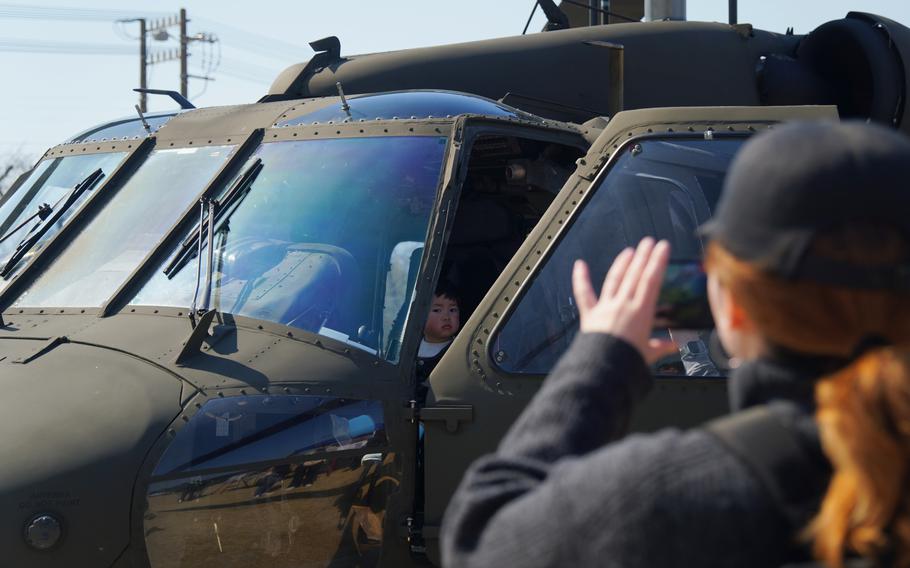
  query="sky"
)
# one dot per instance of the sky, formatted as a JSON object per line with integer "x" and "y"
{"x": 94, "y": 61}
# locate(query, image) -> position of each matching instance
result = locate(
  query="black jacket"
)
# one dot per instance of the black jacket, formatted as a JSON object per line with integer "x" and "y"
{"x": 567, "y": 487}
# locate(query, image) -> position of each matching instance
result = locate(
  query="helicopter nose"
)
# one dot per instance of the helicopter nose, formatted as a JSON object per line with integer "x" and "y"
{"x": 75, "y": 425}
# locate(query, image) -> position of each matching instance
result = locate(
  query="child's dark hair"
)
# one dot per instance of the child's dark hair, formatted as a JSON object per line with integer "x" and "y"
{"x": 446, "y": 289}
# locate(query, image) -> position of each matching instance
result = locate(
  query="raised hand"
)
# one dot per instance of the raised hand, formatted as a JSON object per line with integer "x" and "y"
{"x": 628, "y": 300}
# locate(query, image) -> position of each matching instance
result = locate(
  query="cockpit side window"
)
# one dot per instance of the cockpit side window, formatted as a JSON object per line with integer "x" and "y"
{"x": 510, "y": 182}
{"x": 657, "y": 192}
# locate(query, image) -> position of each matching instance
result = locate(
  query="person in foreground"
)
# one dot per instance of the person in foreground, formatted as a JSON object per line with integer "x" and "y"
{"x": 809, "y": 283}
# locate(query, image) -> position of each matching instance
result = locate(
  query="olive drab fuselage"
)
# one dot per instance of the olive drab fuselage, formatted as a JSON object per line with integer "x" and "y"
{"x": 209, "y": 335}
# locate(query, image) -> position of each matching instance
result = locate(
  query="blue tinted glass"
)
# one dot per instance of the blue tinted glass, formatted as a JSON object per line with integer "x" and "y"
{"x": 100, "y": 258}
{"x": 328, "y": 238}
{"x": 236, "y": 431}
{"x": 665, "y": 191}
{"x": 122, "y": 129}
{"x": 407, "y": 104}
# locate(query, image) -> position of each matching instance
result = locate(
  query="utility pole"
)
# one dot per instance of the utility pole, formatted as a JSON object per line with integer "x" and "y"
{"x": 158, "y": 30}
{"x": 143, "y": 61}
{"x": 732, "y": 9}
{"x": 143, "y": 66}
{"x": 184, "y": 78}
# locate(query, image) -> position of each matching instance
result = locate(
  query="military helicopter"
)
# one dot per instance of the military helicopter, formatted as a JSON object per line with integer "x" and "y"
{"x": 211, "y": 317}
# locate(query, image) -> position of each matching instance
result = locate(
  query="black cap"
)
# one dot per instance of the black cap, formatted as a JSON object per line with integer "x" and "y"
{"x": 791, "y": 182}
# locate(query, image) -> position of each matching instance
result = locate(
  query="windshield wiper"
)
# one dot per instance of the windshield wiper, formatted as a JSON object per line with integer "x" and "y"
{"x": 203, "y": 205}
{"x": 44, "y": 210}
{"x": 232, "y": 197}
{"x": 210, "y": 231}
{"x": 50, "y": 216}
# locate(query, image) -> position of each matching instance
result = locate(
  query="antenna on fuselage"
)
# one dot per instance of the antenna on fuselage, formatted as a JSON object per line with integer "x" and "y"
{"x": 344, "y": 102}
{"x": 145, "y": 123}
{"x": 178, "y": 98}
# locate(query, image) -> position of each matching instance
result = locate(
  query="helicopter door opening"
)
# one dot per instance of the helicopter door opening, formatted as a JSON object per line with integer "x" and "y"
{"x": 510, "y": 182}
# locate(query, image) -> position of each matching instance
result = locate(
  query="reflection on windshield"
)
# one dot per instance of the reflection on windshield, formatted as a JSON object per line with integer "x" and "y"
{"x": 104, "y": 254}
{"x": 315, "y": 240}
{"x": 405, "y": 104}
{"x": 48, "y": 184}
{"x": 665, "y": 190}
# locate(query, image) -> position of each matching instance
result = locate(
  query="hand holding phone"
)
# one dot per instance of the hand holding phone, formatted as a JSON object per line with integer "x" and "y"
{"x": 683, "y": 299}
{"x": 627, "y": 301}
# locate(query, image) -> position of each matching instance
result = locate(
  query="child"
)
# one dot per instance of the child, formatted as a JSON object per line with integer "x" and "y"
{"x": 441, "y": 327}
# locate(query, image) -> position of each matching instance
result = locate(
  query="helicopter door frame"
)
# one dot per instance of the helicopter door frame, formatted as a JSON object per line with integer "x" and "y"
{"x": 465, "y": 131}
{"x": 479, "y": 399}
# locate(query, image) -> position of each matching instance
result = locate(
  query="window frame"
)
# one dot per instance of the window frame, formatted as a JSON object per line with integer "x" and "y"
{"x": 306, "y": 136}
{"x": 565, "y": 224}
{"x": 136, "y": 152}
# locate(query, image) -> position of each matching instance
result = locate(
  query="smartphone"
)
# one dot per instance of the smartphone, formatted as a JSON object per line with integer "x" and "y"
{"x": 683, "y": 300}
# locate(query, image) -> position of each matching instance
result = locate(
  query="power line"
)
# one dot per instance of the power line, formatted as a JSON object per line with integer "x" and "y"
{"x": 247, "y": 68}
{"x": 255, "y": 43}
{"x": 212, "y": 61}
{"x": 242, "y": 70}
{"x": 243, "y": 77}
{"x": 119, "y": 27}
{"x": 25, "y": 12}
{"x": 50, "y": 46}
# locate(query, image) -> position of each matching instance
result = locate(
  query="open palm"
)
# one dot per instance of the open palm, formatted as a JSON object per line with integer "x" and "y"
{"x": 628, "y": 299}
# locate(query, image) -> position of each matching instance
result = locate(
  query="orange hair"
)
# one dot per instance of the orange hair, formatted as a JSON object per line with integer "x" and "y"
{"x": 863, "y": 410}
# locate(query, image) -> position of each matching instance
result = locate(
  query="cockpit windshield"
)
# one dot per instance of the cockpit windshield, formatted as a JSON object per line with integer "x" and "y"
{"x": 44, "y": 198}
{"x": 100, "y": 258}
{"x": 327, "y": 237}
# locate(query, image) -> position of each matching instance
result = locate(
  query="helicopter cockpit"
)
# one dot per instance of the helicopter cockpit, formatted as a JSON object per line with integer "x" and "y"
{"x": 312, "y": 228}
{"x": 319, "y": 219}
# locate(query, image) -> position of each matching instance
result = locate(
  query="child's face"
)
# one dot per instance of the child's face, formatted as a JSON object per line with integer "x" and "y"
{"x": 443, "y": 321}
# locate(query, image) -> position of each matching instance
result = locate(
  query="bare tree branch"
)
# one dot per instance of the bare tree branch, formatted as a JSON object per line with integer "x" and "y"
{"x": 12, "y": 164}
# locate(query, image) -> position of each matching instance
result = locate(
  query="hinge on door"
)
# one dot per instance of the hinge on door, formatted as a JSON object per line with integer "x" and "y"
{"x": 416, "y": 533}
{"x": 451, "y": 415}
{"x": 415, "y": 536}
{"x": 411, "y": 413}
